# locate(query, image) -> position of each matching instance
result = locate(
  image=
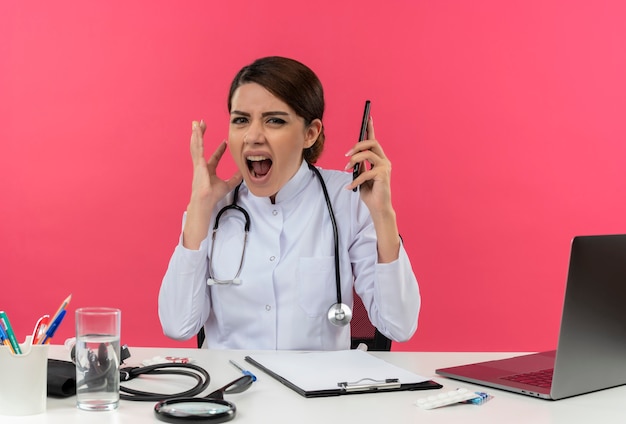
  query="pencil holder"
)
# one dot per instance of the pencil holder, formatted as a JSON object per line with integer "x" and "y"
{"x": 24, "y": 379}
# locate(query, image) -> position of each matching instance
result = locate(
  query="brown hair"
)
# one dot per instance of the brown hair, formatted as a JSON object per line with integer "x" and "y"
{"x": 293, "y": 83}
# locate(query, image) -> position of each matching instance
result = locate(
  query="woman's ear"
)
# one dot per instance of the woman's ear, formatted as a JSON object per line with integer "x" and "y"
{"x": 312, "y": 131}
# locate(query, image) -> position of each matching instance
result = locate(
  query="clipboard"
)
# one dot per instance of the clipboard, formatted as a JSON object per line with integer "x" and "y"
{"x": 334, "y": 373}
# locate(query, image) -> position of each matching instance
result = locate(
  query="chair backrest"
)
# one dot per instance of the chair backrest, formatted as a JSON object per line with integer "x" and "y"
{"x": 361, "y": 329}
{"x": 200, "y": 337}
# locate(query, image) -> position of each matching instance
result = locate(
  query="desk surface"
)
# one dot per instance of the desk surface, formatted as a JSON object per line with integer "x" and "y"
{"x": 269, "y": 401}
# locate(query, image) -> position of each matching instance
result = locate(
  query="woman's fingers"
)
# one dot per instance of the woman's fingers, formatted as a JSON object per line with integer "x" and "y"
{"x": 370, "y": 144}
{"x": 197, "y": 142}
{"x": 367, "y": 150}
{"x": 216, "y": 156}
{"x": 234, "y": 181}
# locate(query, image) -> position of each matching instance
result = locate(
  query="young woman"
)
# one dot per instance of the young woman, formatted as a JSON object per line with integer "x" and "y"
{"x": 276, "y": 286}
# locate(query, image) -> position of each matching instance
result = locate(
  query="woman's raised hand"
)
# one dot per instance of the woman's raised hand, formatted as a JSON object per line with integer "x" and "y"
{"x": 375, "y": 182}
{"x": 206, "y": 188}
{"x": 375, "y": 191}
{"x": 206, "y": 185}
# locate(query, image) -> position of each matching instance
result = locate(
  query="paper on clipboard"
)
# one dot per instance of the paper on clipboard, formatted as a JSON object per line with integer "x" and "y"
{"x": 334, "y": 372}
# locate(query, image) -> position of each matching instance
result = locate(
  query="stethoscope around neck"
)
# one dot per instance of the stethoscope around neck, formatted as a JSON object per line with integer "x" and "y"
{"x": 339, "y": 313}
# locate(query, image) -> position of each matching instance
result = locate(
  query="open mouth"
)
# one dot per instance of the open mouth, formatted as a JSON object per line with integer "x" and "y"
{"x": 259, "y": 166}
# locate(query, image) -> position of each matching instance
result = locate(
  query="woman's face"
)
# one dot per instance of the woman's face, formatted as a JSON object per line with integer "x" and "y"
{"x": 266, "y": 139}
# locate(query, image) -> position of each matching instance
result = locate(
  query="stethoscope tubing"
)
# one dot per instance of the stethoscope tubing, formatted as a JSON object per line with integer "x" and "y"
{"x": 196, "y": 372}
{"x": 335, "y": 231}
{"x": 233, "y": 206}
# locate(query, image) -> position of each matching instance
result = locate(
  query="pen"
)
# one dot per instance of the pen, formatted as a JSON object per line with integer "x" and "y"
{"x": 11, "y": 335}
{"x": 244, "y": 371}
{"x": 5, "y": 339}
{"x": 47, "y": 322}
{"x": 53, "y": 327}
{"x": 40, "y": 329}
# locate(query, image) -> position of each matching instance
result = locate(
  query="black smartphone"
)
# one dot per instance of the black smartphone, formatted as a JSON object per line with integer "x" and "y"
{"x": 362, "y": 134}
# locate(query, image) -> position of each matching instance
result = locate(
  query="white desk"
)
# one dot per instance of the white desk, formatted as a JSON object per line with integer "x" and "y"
{"x": 268, "y": 401}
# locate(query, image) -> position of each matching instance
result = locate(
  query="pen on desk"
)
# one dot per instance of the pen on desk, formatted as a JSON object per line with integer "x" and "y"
{"x": 244, "y": 371}
{"x": 11, "y": 335}
{"x": 4, "y": 339}
{"x": 53, "y": 327}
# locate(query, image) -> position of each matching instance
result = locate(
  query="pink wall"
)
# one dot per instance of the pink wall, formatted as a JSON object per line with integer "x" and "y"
{"x": 505, "y": 122}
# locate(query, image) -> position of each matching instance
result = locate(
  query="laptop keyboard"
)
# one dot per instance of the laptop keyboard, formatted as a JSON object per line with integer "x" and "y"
{"x": 542, "y": 378}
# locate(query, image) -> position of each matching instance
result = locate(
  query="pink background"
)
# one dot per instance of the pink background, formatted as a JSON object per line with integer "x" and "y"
{"x": 504, "y": 120}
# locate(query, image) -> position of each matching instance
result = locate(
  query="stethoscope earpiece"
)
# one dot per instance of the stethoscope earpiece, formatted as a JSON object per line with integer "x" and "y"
{"x": 340, "y": 314}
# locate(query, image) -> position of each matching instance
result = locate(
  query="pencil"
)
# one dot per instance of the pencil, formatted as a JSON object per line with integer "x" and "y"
{"x": 63, "y": 306}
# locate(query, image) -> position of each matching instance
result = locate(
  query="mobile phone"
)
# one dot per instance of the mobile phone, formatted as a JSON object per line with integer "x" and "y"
{"x": 366, "y": 117}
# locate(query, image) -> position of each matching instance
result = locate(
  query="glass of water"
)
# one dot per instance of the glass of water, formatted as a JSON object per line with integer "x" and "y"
{"x": 98, "y": 358}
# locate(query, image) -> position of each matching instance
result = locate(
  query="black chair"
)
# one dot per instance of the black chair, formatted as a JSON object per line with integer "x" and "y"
{"x": 361, "y": 329}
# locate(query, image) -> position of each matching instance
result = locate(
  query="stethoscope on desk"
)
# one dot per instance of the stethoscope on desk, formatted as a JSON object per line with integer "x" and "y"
{"x": 339, "y": 313}
{"x": 182, "y": 407}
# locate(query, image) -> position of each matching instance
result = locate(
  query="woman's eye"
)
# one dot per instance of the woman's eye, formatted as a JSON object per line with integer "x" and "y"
{"x": 276, "y": 121}
{"x": 238, "y": 120}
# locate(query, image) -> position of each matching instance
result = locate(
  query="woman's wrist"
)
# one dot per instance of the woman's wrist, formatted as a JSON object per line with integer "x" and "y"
{"x": 197, "y": 222}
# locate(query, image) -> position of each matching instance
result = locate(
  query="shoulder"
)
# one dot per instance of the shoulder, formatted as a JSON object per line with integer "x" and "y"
{"x": 347, "y": 205}
{"x": 338, "y": 180}
{"x": 336, "y": 183}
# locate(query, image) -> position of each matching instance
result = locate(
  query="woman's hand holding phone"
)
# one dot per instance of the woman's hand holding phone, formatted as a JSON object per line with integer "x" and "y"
{"x": 375, "y": 191}
{"x": 376, "y": 179}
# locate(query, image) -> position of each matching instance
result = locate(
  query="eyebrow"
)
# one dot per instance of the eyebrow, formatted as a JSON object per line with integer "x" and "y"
{"x": 264, "y": 114}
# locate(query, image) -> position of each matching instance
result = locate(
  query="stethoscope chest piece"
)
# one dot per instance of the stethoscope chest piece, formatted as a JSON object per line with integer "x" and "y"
{"x": 340, "y": 314}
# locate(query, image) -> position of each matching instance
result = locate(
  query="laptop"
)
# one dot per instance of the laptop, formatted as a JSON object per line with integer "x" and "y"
{"x": 591, "y": 350}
